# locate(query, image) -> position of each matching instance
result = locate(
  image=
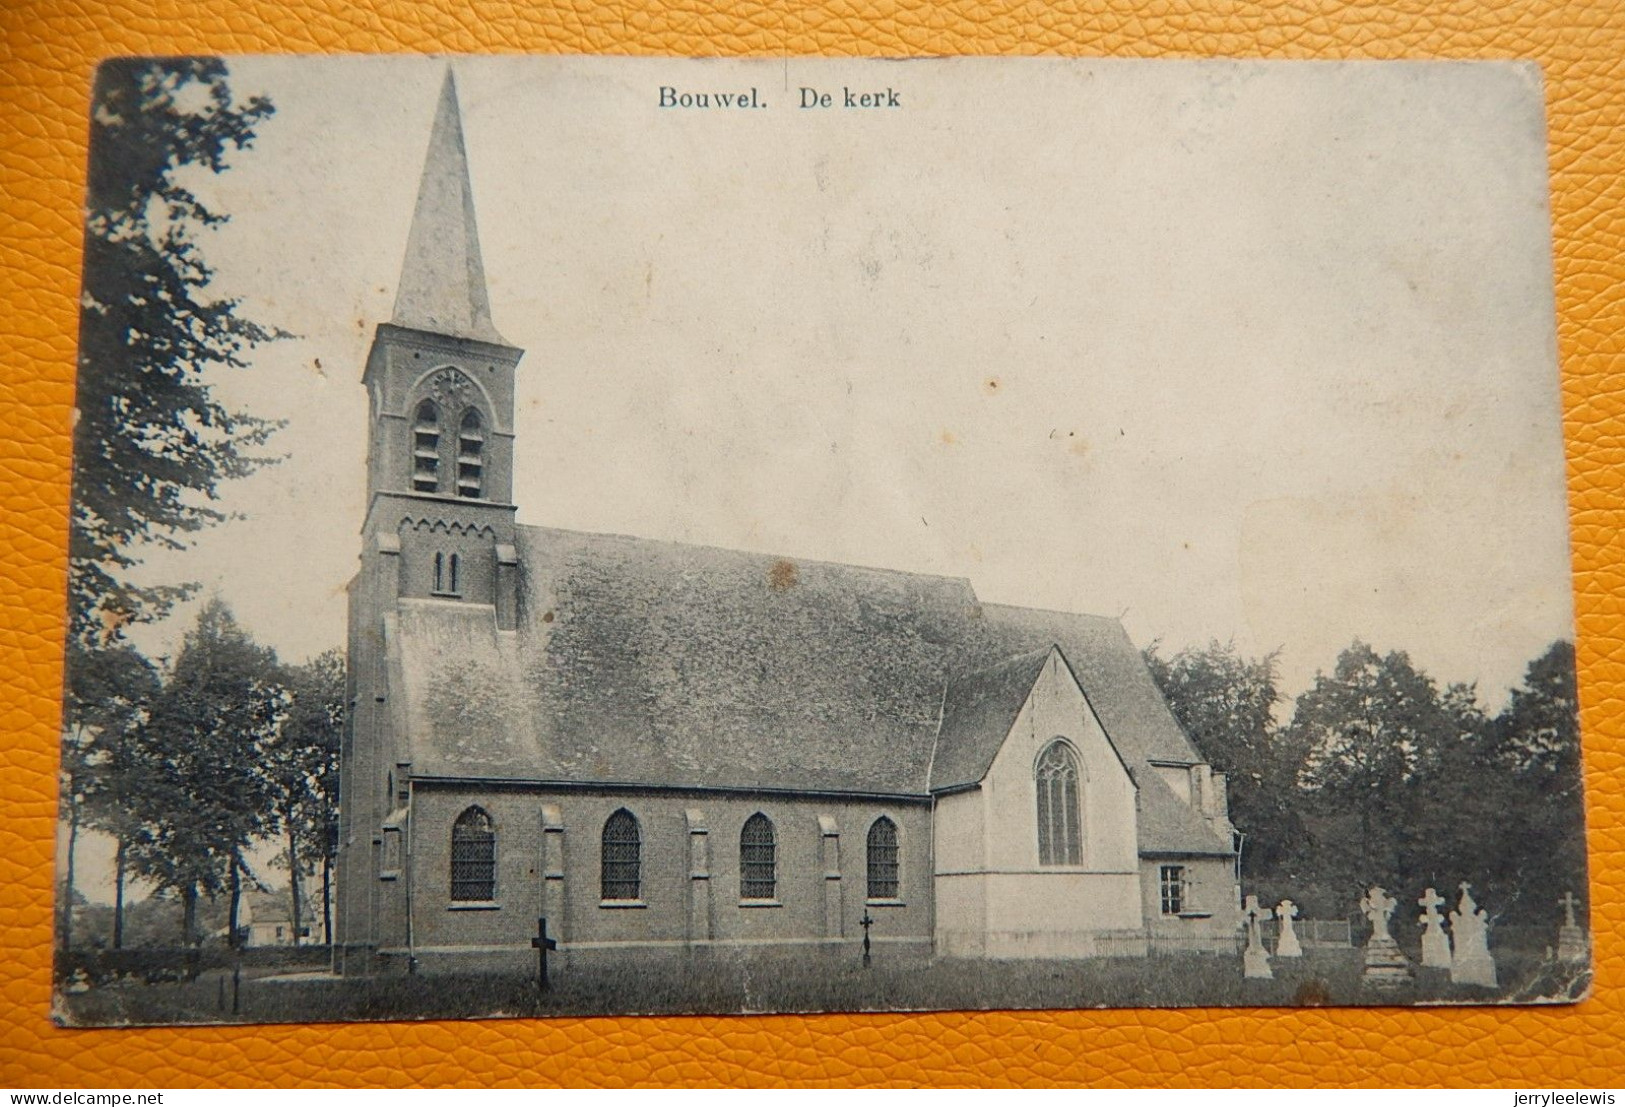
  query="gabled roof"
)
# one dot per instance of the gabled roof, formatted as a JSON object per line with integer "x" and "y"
{"x": 1168, "y": 825}
{"x": 977, "y": 714}
{"x": 442, "y": 287}
{"x": 647, "y": 663}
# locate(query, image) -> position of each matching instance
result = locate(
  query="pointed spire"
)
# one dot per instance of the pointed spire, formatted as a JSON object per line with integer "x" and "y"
{"x": 442, "y": 287}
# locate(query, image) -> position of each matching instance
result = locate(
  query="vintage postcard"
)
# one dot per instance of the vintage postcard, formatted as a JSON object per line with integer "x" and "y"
{"x": 587, "y": 535}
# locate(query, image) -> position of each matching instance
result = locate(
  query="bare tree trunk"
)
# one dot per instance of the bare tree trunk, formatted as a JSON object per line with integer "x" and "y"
{"x": 189, "y": 915}
{"x": 327, "y": 899}
{"x": 293, "y": 877}
{"x": 118, "y": 896}
{"x": 236, "y": 899}
{"x": 67, "y": 893}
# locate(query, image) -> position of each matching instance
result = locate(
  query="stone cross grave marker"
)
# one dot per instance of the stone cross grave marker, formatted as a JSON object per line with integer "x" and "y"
{"x": 866, "y": 922}
{"x": 1385, "y": 965}
{"x": 1435, "y": 942}
{"x": 1571, "y": 940}
{"x": 1470, "y": 961}
{"x": 1255, "y": 962}
{"x": 1287, "y": 945}
{"x": 542, "y": 944}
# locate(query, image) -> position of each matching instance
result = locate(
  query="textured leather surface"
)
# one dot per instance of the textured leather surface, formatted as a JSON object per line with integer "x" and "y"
{"x": 48, "y": 51}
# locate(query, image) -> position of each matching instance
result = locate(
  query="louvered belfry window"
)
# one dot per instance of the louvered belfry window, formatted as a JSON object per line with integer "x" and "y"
{"x": 426, "y": 448}
{"x": 756, "y": 858}
{"x": 883, "y": 859}
{"x": 1060, "y": 836}
{"x": 622, "y": 857}
{"x": 470, "y": 456}
{"x": 473, "y": 858}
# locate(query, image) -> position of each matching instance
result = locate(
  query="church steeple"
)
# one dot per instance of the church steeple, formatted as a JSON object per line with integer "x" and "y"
{"x": 440, "y": 516}
{"x": 442, "y": 287}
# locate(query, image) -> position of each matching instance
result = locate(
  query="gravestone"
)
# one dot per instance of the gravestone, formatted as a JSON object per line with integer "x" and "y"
{"x": 1287, "y": 945}
{"x": 1435, "y": 942}
{"x": 1571, "y": 940}
{"x": 1385, "y": 965}
{"x": 542, "y": 944}
{"x": 1470, "y": 961}
{"x": 1255, "y": 962}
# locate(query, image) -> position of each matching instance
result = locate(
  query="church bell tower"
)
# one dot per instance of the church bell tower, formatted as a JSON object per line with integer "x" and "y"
{"x": 440, "y": 381}
{"x": 439, "y": 528}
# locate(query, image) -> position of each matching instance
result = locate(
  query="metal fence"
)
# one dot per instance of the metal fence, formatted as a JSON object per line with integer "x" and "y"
{"x": 1312, "y": 933}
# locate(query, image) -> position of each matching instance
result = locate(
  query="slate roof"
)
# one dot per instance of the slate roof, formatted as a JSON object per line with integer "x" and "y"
{"x": 978, "y": 705}
{"x": 442, "y": 287}
{"x": 638, "y": 662}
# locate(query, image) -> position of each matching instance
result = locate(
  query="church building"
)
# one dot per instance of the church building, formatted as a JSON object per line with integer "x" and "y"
{"x": 669, "y": 750}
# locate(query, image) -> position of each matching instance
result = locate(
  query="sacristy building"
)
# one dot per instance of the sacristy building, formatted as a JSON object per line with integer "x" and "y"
{"x": 671, "y": 750}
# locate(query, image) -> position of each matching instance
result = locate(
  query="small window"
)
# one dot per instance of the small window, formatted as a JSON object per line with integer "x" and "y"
{"x": 1060, "y": 836}
{"x": 1172, "y": 880}
{"x": 473, "y": 858}
{"x": 471, "y": 456}
{"x": 452, "y": 585}
{"x": 756, "y": 858}
{"x": 439, "y": 572}
{"x": 426, "y": 448}
{"x": 622, "y": 857}
{"x": 883, "y": 859}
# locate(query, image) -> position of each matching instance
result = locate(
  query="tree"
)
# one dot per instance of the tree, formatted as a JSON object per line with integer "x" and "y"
{"x": 1534, "y": 750}
{"x": 302, "y": 761}
{"x": 152, "y": 443}
{"x": 1371, "y": 733}
{"x": 108, "y": 694}
{"x": 1226, "y": 703}
{"x": 205, "y": 795}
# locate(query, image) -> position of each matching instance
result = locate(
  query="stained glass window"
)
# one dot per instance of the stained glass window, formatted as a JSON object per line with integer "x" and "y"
{"x": 883, "y": 859}
{"x": 622, "y": 856}
{"x": 1060, "y": 835}
{"x": 756, "y": 858}
{"x": 473, "y": 858}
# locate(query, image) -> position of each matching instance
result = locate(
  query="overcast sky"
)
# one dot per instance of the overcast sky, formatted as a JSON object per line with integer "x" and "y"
{"x": 1262, "y": 350}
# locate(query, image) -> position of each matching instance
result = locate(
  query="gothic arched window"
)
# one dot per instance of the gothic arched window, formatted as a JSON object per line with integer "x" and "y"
{"x": 883, "y": 862}
{"x": 454, "y": 582}
{"x": 439, "y": 572}
{"x": 622, "y": 860}
{"x": 471, "y": 456}
{"x": 1060, "y": 833}
{"x": 426, "y": 448}
{"x": 756, "y": 858}
{"x": 473, "y": 858}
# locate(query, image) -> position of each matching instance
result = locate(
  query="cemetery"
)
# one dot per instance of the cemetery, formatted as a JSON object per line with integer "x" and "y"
{"x": 1420, "y": 956}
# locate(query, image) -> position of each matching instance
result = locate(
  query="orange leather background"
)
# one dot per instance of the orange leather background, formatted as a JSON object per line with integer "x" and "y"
{"x": 49, "y": 49}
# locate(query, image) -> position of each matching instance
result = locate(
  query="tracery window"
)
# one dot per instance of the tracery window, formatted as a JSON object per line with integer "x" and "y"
{"x": 473, "y": 858}
{"x": 471, "y": 456}
{"x": 426, "y": 448}
{"x": 883, "y": 858}
{"x": 619, "y": 871}
{"x": 756, "y": 858}
{"x": 1060, "y": 835}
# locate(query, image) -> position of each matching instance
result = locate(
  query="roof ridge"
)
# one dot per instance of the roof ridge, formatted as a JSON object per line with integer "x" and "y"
{"x": 883, "y": 570}
{"x": 991, "y": 605}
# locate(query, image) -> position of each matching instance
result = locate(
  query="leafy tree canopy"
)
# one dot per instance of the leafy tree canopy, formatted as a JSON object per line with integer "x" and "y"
{"x": 151, "y": 442}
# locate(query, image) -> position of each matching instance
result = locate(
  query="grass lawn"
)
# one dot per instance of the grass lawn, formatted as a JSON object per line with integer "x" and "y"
{"x": 738, "y": 985}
